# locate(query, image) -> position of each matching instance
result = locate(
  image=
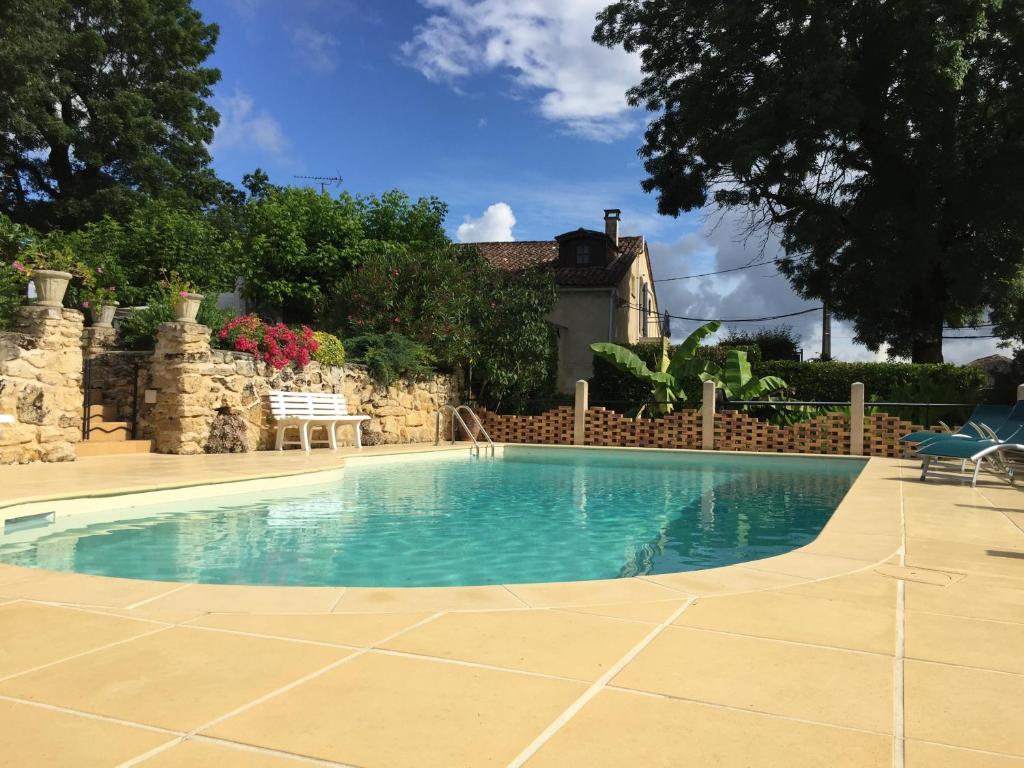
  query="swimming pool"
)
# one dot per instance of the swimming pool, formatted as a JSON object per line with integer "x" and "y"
{"x": 529, "y": 515}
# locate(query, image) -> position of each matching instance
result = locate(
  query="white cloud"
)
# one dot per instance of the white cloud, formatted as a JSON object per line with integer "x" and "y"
{"x": 242, "y": 126}
{"x": 493, "y": 226}
{"x": 546, "y": 45}
{"x": 316, "y": 49}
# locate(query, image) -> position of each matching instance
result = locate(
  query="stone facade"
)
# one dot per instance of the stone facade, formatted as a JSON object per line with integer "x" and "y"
{"x": 195, "y": 384}
{"x": 41, "y": 375}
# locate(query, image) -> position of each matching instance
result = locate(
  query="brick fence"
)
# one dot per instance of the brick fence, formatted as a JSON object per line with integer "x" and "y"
{"x": 734, "y": 431}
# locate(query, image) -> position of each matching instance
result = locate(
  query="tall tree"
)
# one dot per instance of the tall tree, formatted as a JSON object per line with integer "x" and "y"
{"x": 883, "y": 140}
{"x": 101, "y": 102}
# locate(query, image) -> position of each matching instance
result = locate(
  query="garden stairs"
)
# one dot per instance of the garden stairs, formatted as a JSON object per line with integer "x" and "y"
{"x": 107, "y": 435}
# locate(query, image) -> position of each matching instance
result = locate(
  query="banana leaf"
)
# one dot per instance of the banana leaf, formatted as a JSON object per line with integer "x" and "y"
{"x": 737, "y": 374}
{"x": 771, "y": 384}
{"x": 685, "y": 352}
{"x": 624, "y": 360}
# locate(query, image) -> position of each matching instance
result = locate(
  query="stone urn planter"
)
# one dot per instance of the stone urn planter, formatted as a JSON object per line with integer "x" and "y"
{"x": 51, "y": 286}
{"x": 186, "y": 308}
{"x": 103, "y": 316}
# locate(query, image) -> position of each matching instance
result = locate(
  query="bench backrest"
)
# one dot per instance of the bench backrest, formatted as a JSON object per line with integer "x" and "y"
{"x": 307, "y": 405}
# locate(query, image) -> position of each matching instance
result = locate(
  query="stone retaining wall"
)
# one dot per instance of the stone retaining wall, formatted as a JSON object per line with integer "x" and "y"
{"x": 195, "y": 383}
{"x": 41, "y": 376}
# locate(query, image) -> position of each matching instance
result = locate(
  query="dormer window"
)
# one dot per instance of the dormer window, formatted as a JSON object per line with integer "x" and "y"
{"x": 583, "y": 254}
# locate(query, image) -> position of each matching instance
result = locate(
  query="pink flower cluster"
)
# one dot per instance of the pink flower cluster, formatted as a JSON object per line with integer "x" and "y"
{"x": 277, "y": 345}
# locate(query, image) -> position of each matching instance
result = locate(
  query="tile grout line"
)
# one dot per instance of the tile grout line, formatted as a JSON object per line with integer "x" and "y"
{"x": 473, "y": 665}
{"x": 114, "y": 644}
{"x": 517, "y": 597}
{"x": 177, "y": 736}
{"x": 312, "y": 675}
{"x": 899, "y": 694}
{"x": 784, "y": 641}
{"x": 265, "y": 751}
{"x": 148, "y": 600}
{"x": 268, "y": 696}
{"x": 337, "y": 600}
{"x": 99, "y": 610}
{"x": 602, "y": 682}
{"x": 87, "y": 715}
{"x": 734, "y": 708}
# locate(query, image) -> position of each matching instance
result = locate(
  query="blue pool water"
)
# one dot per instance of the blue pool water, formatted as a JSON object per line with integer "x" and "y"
{"x": 532, "y": 515}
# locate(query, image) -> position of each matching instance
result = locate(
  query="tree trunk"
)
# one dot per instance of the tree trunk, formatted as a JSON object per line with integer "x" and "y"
{"x": 928, "y": 348}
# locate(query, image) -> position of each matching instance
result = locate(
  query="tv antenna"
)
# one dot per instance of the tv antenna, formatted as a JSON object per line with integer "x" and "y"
{"x": 323, "y": 181}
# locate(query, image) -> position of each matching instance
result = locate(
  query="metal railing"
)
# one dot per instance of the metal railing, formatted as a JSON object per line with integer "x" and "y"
{"x": 456, "y": 417}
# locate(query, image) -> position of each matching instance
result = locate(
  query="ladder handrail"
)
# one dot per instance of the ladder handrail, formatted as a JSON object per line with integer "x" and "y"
{"x": 480, "y": 424}
{"x": 455, "y": 416}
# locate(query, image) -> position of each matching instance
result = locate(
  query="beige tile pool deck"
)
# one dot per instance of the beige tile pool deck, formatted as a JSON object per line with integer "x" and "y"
{"x": 894, "y": 639}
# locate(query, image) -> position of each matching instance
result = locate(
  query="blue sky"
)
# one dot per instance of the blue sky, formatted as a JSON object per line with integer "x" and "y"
{"x": 505, "y": 110}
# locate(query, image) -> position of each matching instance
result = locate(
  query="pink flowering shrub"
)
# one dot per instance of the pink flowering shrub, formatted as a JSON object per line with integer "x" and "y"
{"x": 277, "y": 345}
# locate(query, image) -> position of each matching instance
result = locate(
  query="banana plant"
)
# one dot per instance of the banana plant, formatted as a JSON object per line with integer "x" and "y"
{"x": 667, "y": 381}
{"x": 737, "y": 381}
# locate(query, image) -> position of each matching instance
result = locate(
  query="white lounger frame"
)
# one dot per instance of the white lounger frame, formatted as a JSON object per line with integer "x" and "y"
{"x": 305, "y": 411}
{"x": 991, "y": 453}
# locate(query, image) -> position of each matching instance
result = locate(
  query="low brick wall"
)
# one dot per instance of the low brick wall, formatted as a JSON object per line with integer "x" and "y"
{"x": 734, "y": 431}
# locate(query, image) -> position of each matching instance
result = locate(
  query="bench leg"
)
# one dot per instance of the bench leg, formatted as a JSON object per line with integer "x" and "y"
{"x": 304, "y": 431}
{"x": 332, "y": 435}
{"x": 358, "y": 428}
{"x": 279, "y": 444}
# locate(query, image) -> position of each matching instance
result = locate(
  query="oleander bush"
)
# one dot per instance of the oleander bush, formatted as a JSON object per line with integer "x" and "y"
{"x": 391, "y": 356}
{"x": 274, "y": 343}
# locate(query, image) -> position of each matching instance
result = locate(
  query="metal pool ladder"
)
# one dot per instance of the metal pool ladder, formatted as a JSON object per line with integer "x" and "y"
{"x": 456, "y": 417}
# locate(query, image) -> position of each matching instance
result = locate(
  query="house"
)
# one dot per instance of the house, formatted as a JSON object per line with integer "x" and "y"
{"x": 605, "y": 289}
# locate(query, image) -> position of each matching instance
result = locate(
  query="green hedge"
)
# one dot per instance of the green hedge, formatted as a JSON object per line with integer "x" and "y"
{"x": 887, "y": 382}
{"x": 819, "y": 381}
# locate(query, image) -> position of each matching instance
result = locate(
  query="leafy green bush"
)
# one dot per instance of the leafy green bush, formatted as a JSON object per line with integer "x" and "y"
{"x": 887, "y": 382}
{"x": 391, "y": 356}
{"x": 779, "y": 343}
{"x": 138, "y": 330}
{"x": 330, "y": 349}
{"x": 819, "y": 381}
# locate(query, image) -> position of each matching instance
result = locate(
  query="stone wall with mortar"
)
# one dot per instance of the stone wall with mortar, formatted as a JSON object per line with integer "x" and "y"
{"x": 41, "y": 379}
{"x": 195, "y": 383}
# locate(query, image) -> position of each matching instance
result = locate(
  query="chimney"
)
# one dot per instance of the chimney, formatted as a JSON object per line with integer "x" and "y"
{"x": 612, "y": 217}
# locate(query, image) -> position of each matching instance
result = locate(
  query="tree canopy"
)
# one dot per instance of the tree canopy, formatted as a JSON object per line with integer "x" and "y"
{"x": 882, "y": 141}
{"x": 101, "y": 104}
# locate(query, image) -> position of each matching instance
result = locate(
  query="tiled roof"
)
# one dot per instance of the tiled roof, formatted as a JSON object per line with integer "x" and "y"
{"x": 524, "y": 254}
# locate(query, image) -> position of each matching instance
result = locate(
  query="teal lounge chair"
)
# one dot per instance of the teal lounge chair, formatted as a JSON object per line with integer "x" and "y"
{"x": 978, "y": 451}
{"x": 991, "y": 416}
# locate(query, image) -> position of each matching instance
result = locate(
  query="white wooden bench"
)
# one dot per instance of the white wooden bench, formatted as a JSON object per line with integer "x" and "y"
{"x": 306, "y": 411}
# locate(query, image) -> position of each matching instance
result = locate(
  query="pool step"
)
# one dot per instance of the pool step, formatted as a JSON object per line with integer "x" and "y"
{"x": 112, "y": 448}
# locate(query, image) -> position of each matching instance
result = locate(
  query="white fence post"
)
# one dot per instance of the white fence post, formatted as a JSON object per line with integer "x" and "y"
{"x": 1020, "y": 391}
{"x": 856, "y": 419}
{"x": 707, "y": 432}
{"x": 579, "y": 422}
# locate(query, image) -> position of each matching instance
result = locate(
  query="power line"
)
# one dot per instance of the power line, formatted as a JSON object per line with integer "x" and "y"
{"x": 719, "y": 272}
{"x": 737, "y": 320}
